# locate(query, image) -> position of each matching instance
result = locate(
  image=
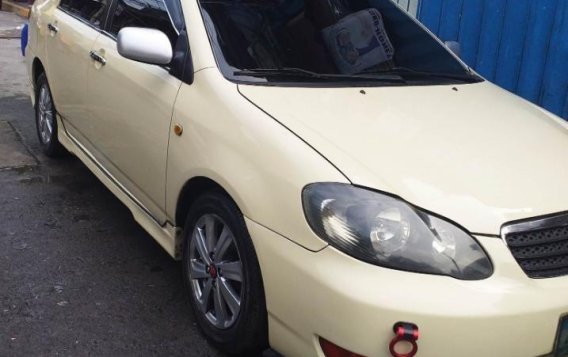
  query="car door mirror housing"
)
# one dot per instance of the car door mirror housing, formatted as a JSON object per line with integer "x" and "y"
{"x": 145, "y": 45}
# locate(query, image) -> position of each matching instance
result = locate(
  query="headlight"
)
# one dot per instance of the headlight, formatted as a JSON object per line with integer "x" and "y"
{"x": 385, "y": 231}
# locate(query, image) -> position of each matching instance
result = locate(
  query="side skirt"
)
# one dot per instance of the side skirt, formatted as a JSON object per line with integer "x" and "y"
{"x": 168, "y": 236}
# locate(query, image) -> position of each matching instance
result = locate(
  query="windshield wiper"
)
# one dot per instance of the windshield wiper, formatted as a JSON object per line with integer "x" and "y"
{"x": 298, "y": 72}
{"x": 468, "y": 78}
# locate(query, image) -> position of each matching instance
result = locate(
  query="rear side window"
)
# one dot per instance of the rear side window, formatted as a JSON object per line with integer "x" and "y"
{"x": 143, "y": 13}
{"x": 92, "y": 11}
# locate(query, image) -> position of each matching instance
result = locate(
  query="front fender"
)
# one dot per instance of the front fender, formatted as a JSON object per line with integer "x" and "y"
{"x": 259, "y": 162}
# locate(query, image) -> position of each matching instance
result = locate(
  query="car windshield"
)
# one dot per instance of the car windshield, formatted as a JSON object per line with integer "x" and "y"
{"x": 329, "y": 41}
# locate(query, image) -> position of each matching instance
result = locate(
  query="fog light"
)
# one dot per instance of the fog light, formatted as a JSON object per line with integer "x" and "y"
{"x": 332, "y": 350}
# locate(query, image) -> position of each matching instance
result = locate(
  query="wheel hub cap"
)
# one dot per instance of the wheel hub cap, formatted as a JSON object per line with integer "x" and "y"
{"x": 212, "y": 270}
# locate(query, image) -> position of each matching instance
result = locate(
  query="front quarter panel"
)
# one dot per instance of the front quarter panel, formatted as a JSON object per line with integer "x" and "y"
{"x": 259, "y": 162}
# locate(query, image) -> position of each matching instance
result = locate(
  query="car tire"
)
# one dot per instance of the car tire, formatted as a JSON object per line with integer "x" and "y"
{"x": 215, "y": 228}
{"x": 46, "y": 119}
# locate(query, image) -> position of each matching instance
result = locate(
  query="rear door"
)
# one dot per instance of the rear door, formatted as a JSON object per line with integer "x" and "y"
{"x": 72, "y": 30}
{"x": 131, "y": 104}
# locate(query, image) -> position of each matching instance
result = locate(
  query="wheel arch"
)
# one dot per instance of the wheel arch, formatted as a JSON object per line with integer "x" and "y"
{"x": 191, "y": 190}
{"x": 37, "y": 69}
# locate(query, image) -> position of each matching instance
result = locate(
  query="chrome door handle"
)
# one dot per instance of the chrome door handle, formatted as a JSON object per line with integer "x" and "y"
{"x": 52, "y": 28}
{"x": 98, "y": 58}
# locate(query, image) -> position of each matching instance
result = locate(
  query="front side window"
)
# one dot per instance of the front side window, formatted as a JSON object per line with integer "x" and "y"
{"x": 92, "y": 11}
{"x": 144, "y": 13}
{"x": 326, "y": 41}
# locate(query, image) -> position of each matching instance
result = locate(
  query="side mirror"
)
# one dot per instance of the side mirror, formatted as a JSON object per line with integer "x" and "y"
{"x": 454, "y": 46}
{"x": 145, "y": 45}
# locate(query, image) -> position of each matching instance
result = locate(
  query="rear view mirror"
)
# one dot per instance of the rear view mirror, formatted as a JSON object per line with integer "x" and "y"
{"x": 145, "y": 45}
{"x": 454, "y": 46}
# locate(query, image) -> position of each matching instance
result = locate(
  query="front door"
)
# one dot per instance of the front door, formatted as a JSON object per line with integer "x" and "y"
{"x": 130, "y": 107}
{"x": 72, "y": 30}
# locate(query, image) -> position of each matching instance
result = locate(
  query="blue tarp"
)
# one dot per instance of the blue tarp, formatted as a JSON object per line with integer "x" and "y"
{"x": 24, "y": 39}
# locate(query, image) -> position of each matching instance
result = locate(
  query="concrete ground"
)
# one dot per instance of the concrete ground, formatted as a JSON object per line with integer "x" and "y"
{"x": 10, "y": 25}
{"x": 78, "y": 276}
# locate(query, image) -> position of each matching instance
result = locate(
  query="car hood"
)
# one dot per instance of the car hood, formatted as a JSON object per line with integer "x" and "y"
{"x": 473, "y": 153}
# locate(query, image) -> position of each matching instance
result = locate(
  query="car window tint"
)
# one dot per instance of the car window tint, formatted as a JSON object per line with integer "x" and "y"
{"x": 143, "y": 13}
{"x": 367, "y": 37}
{"x": 92, "y": 11}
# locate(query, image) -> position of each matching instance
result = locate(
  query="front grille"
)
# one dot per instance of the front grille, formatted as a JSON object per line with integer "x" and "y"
{"x": 541, "y": 252}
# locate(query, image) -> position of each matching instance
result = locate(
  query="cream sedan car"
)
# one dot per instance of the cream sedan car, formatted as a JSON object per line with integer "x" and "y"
{"x": 334, "y": 179}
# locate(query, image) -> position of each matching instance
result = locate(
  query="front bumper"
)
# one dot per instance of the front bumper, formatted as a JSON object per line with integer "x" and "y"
{"x": 354, "y": 304}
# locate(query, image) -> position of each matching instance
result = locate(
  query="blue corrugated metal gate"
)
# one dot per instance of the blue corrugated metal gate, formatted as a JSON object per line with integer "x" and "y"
{"x": 522, "y": 45}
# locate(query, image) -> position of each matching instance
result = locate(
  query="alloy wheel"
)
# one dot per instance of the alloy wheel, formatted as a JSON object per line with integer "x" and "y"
{"x": 45, "y": 117}
{"x": 215, "y": 271}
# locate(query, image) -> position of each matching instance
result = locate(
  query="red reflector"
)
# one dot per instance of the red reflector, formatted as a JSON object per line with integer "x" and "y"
{"x": 332, "y": 350}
